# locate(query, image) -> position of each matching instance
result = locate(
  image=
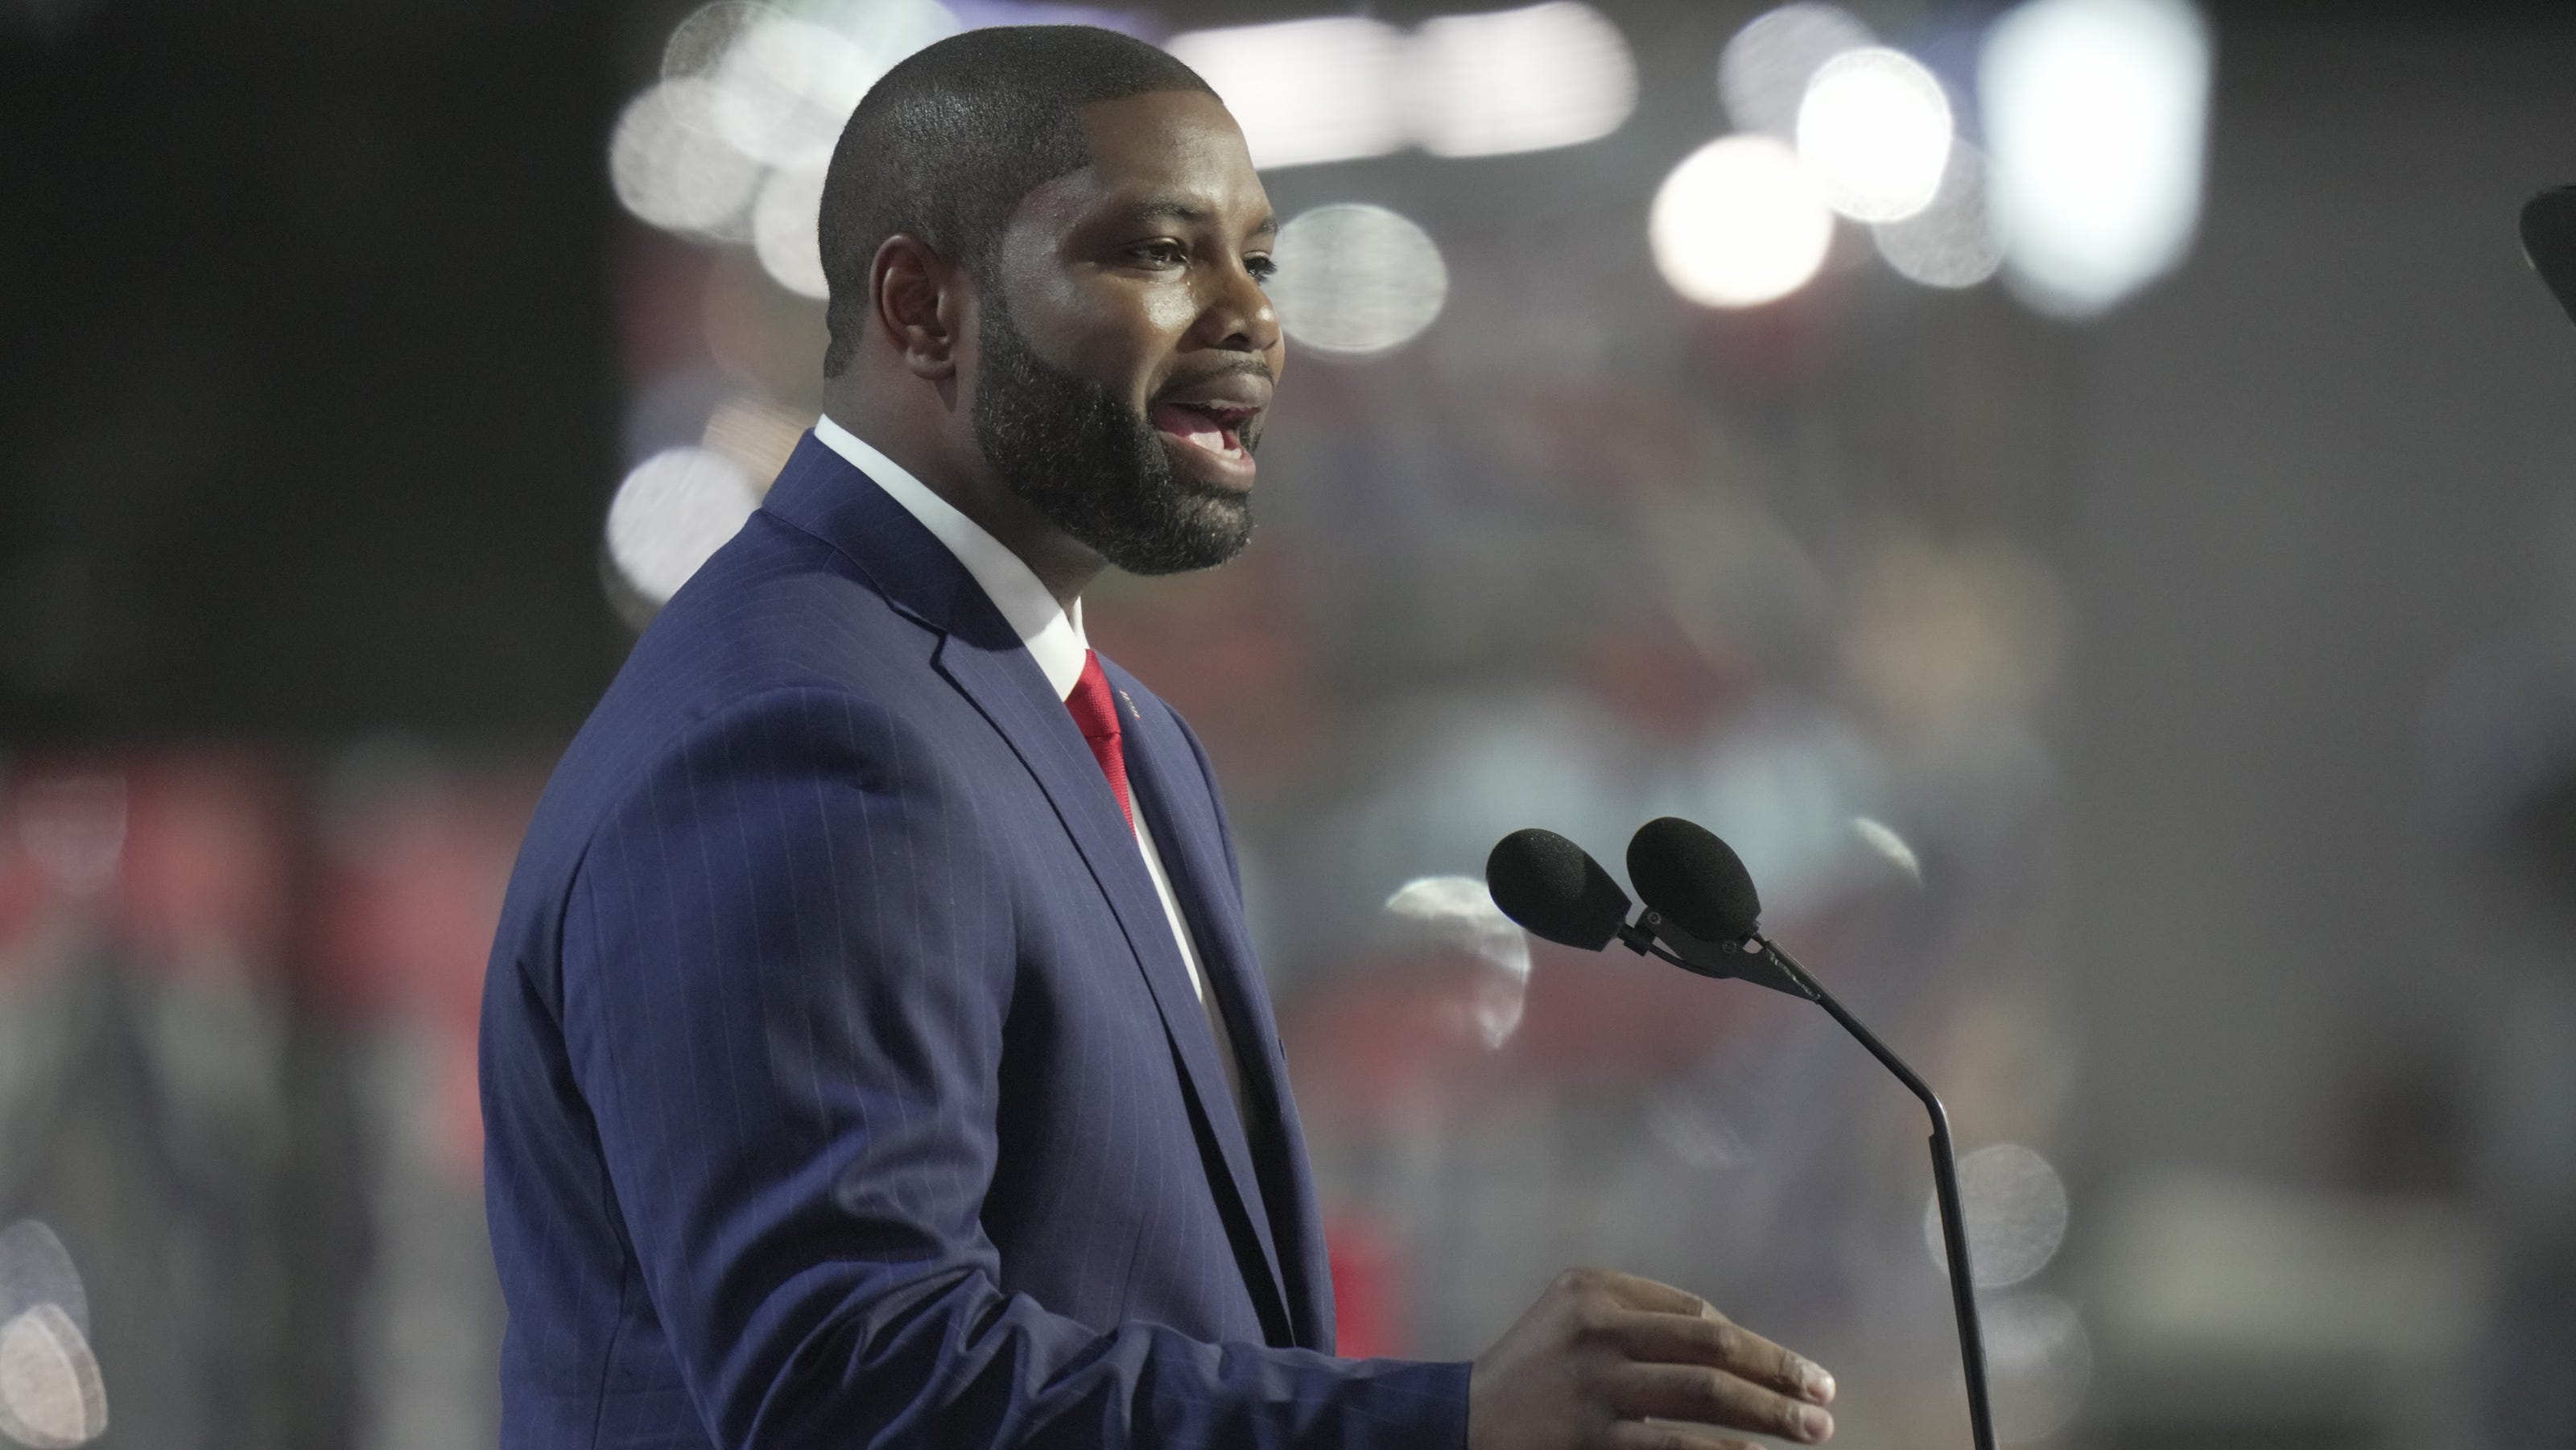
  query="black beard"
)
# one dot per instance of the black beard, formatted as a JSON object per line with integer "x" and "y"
{"x": 1093, "y": 465}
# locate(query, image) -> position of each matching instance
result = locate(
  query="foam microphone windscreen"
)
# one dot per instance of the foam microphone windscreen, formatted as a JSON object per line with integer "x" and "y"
{"x": 1555, "y": 889}
{"x": 1696, "y": 880}
{"x": 2549, "y": 239}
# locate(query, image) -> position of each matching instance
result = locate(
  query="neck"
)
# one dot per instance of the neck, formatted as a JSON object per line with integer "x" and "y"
{"x": 940, "y": 450}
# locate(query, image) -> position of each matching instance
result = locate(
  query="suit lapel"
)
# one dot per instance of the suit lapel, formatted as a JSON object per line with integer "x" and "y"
{"x": 983, "y": 657}
{"x": 1173, "y": 792}
{"x": 1014, "y": 694}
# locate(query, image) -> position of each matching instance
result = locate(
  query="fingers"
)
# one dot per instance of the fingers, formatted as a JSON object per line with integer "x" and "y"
{"x": 1671, "y": 1357}
{"x": 1719, "y": 1343}
{"x": 1636, "y": 1292}
{"x": 1641, "y": 1435}
{"x": 1711, "y": 1397}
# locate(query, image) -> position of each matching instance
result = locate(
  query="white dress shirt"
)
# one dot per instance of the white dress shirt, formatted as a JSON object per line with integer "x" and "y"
{"x": 1054, "y": 637}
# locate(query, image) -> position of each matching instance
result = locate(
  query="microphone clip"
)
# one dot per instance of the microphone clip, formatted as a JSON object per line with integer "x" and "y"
{"x": 1753, "y": 959}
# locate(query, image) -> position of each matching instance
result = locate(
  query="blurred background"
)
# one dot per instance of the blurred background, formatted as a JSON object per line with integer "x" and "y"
{"x": 2077, "y": 492}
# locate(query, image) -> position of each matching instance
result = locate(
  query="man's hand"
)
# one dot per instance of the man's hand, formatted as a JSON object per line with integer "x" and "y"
{"x": 1602, "y": 1353}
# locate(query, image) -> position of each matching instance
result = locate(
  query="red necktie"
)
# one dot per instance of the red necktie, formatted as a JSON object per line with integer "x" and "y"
{"x": 1095, "y": 710}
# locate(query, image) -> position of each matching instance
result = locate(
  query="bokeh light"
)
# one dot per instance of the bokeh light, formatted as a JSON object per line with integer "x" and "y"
{"x": 751, "y": 101}
{"x": 1458, "y": 914}
{"x": 1762, "y": 74}
{"x": 669, "y": 161}
{"x": 1305, "y": 91}
{"x": 2039, "y": 1362}
{"x": 2095, "y": 119}
{"x": 1883, "y": 840}
{"x": 697, "y": 45}
{"x": 1739, "y": 223}
{"x": 784, "y": 88}
{"x": 1557, "y": 74}
{"x": 1356, "y": 280}
{"x": 1953, "y": 241}
{"x": 2016, "y": 1210}
{"x": 1875, "y": 128}
{"x": 52, "y": 1396}
{"x": 676, "y": 508}
{"x": 784, "y": 219}
{"x": 35, "y": 1269}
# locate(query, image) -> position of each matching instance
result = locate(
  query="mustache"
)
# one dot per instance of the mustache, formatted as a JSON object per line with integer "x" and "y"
{"x": 1238, "y": 367}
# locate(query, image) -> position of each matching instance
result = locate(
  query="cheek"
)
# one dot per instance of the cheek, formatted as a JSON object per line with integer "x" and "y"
{"x": 1123, "y": 341}
{"x": 1170, "y": 311}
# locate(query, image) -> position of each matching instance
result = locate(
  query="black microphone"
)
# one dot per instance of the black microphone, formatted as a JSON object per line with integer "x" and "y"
{"x": 1703, "y": 914}
{"x": 1690, "y": 875}
{"x": 1554, "y": 888}
{"x": 2549, "y": 240}
{"x": 1701, "y": 905}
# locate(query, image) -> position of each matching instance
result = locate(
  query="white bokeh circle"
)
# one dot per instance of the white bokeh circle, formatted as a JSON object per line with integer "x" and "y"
{"x": 1356, "y": 280}
{"x": 671, "y": 512}
{"x": 1739, "y": 223}
{"x": 2016, "y": 1210}
{"x": 1875, "y": 129}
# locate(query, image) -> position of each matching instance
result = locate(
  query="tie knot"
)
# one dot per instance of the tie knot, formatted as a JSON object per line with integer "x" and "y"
{"x": 1094, "y": 706}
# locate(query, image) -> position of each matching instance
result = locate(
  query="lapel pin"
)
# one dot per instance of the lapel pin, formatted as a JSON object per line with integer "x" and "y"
{"x": 1132, "y": 712}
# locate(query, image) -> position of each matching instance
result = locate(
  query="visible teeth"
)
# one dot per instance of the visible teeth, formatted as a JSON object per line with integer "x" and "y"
{"x": 1196, "y": 427}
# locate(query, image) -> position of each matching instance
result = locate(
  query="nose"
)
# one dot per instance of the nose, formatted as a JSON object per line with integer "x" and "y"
{"x": 1238, "y": 316}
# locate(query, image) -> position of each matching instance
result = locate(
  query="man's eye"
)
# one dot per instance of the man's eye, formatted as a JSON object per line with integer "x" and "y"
{"x": 1261, "y": 268}
{"x": 1159, "y": 254}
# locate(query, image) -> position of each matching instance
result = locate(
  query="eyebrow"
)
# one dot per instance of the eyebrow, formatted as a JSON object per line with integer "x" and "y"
{"x": 1165, "y": 208}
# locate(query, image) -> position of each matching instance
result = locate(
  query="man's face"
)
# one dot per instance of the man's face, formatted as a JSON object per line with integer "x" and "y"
{"x": 1126, "y": 354}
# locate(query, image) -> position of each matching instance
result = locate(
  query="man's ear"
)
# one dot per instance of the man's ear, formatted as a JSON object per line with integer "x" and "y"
{"x": 919, "y": 299}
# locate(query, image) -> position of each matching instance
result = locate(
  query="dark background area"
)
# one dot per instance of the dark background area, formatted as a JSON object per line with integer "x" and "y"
{"x": 309, "y": 384}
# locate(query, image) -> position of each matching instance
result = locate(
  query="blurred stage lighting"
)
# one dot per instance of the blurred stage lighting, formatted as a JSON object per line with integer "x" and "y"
{"x": 1305, "y": 91}
{"x": 1882, "y": 839}
{"x": 748, "y": 91}
{"x": 2041, "y": 1362}
{"x": 2016, "y": 1210}
{"x": 1458, "y": 915}
{"x": 785, "y": 86}
{"x": 1739, "y": 223}
{"x": 1762, "y": 74}
{"x": 784, "y": 221}
{"x": 1343, "y": 88}
{"x": 670, "y": 164}
{"x": 1520, "y": 80}
{"x": 1355, "y": 280}
{"x": 1874, "y": 128}
{"x": 2096, "y": 114}
{"x": 52, "y": 1396}
{"x": 676, "y": 508}
{"x": 1952, "y": 242}
{"x": 697, "y": 45}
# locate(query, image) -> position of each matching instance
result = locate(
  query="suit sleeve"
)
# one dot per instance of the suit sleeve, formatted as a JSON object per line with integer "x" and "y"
{"x": 786, "y": 969}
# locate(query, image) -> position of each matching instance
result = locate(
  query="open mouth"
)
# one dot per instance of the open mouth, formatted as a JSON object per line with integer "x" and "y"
{"x": 1212, "y": 428}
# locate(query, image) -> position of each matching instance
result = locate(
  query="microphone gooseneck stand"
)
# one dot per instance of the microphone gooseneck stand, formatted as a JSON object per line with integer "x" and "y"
{"x": 1763, "y": 962}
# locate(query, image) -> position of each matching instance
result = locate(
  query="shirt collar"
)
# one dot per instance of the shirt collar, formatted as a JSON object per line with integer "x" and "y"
{"x": 1052, "y": 633}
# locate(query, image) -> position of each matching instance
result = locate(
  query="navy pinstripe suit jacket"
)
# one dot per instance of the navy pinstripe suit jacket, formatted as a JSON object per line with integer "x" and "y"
{"x": 843, "y": 1085}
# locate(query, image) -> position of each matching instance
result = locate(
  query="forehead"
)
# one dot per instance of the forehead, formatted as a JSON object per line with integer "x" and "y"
{"x": 1173, "y": 145}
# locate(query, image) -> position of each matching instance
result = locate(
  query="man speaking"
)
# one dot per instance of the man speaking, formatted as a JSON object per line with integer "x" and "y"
{"x": 873, "y": 1054}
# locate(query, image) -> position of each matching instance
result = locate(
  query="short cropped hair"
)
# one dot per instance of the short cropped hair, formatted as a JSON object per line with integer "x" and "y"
{"x": 947, "y": 143}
